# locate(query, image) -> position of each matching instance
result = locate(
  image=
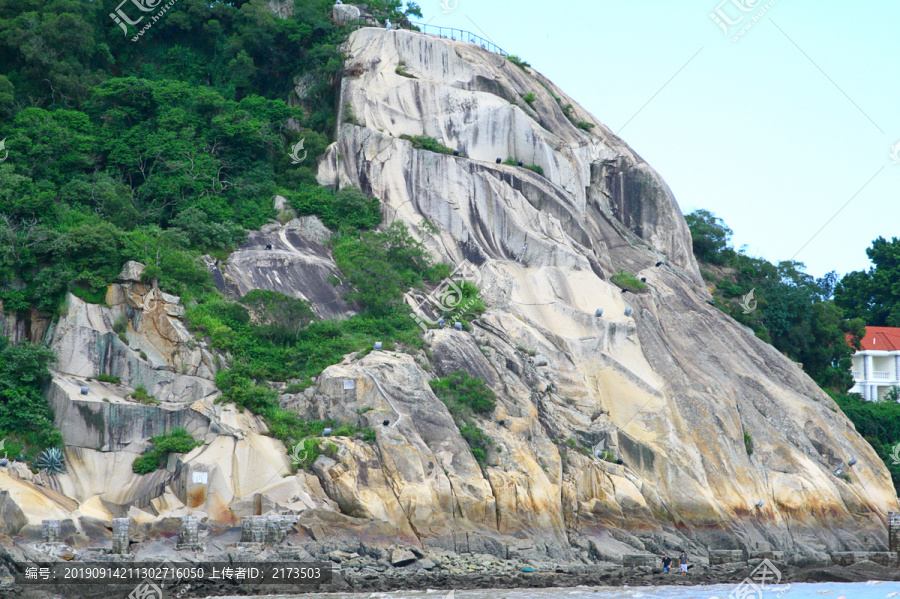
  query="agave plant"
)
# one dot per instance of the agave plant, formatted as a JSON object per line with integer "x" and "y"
{"x": 51, "y": 461}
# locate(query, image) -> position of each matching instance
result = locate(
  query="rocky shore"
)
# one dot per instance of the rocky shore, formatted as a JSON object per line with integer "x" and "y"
{"x": 449, "y": 571}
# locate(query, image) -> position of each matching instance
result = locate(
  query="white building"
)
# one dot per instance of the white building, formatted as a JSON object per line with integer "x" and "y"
{"x": 876, "y": 367}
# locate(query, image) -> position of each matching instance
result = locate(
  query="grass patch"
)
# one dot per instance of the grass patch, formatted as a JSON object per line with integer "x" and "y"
{"x": 421, "y": 142}
{"x": 585, "y": 125}
{"x": 529, "y": 98}
{"x": 175, "y": 441}
{"x": 608, "y": 456}
{"x": 140, "y": 395}
{"x": 518, "y": 61}
{"x": 628, "y": 281}
{"x": 401, "y": 70}
{"x": 108, "y": 378}
{"x": 748, "y": 443}
{"x": 576, "y": 446}
{"x": 532, "y": 167}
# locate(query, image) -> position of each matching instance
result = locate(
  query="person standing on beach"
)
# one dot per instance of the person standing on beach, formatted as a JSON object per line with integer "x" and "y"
{"x": 684, "y": 565}
{"x": 667, "y": 563}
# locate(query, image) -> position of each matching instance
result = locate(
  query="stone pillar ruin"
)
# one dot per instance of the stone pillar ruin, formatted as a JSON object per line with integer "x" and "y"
{"x": 277, "y": 528}
{"x": 121, "y": 533}
{"x": 50, "y": 531}
{"x": 253, "y": 529}
{"x": 190, "y": 535}
{"x": 894, "y": 531}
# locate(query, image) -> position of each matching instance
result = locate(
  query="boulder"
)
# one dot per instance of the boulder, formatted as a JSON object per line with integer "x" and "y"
{"x": 402, "y": 557}
{"x": 344, "y": 13}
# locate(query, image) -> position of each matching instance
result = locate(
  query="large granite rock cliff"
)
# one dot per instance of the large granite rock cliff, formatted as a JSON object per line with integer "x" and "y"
{"x": 669, "y": 386}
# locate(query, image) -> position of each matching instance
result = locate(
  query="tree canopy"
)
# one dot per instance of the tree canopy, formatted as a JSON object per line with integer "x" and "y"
{"x": 793, "y": 310}
{"x": 874, "y": 294}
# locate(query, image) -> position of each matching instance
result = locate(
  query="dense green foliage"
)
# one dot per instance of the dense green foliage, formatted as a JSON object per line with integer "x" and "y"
{"x": 156, "y": 150}
{"x": 277, "y": 316}
{"x": 874, "y": 295}
{"x": 466, "y": 396}
{"x": 382, "y": 265}
{"x": 305, "y": 451}
{"x": 879, "y": 423}
{"x": 174, "y": 441}
{"x": 26, "y": 423}
{"x": 171, "y": 146}
{"x": 348, "y": 208}
{"x": 710, "y": 236}
{"x": 626, "y": 280}
{"x": 788, "y": 308}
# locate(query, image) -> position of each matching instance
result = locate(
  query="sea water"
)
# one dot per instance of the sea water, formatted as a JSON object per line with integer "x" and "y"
{"x": 822, "y": 590}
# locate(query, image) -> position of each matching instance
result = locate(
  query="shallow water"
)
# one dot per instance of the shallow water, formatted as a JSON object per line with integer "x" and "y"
{"x": 825, "y": 590}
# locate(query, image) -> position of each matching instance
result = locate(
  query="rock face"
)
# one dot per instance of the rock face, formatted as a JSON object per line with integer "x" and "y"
{"x": 661, "y": 381}
{"x": 670, "y": 389}
{"x": 299, "y": 264}
{"x": 345, "y": 13}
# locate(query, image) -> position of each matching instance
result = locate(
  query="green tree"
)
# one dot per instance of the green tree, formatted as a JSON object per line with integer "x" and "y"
{"x": 25, "y": 416}
{"x": 279, "y": 316}
{"x": 874, "y": 295}
{"x": 710, "y": 236}
{"x": 381, "y": 266}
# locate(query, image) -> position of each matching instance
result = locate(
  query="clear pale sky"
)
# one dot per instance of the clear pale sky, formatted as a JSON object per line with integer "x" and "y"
{"x": 772, "y": 135}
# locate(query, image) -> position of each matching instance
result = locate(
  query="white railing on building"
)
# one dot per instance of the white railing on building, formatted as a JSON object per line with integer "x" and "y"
{"x": 881, "y": 375}
{"x": 857, "y": 375}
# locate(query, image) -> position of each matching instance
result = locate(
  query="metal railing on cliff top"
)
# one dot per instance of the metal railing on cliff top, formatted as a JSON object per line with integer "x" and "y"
{"x": 459, "y": 35}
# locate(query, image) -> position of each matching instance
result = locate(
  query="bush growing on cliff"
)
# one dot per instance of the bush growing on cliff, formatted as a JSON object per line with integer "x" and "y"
{"x": 26, "y": 421}
{"x": 464, "y": 397}
{"x": 381, "y": 266}
{"x": 628, "y": 281}
{"x": 422, "y": 142}
{"x": 532, "y": 167}
{"x": 347, "y": 208}
{"x": 463, "y": 394}
{"x": 478, "y": 441}
{"x": 174, "y": 441}
{"x": 518, "y": 61}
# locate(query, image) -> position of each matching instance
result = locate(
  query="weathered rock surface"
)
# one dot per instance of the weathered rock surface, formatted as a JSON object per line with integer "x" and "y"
{"x": 668, "y": 388}
{"x": 299, "y": 265}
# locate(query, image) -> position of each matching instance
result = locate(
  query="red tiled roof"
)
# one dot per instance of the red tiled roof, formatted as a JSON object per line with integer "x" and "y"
{"x": 880, "y": 338}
